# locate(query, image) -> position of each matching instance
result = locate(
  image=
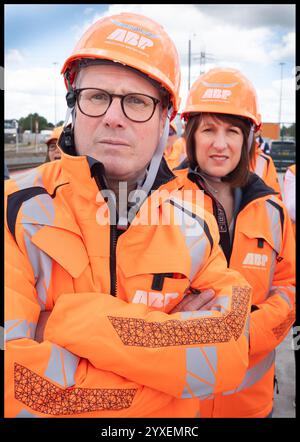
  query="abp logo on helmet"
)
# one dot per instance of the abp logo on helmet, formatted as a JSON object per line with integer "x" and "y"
{"x": 130, "y": 38}
{"x": 216, "y": 93}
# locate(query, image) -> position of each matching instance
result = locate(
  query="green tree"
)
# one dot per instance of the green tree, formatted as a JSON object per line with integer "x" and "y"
{"x": 29, "y": 122}
{"x": 291, "y": 131}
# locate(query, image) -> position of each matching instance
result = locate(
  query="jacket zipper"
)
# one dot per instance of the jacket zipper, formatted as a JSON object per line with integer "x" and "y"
{"x": 113, "y": 244}
{"x": 113, "y": 260}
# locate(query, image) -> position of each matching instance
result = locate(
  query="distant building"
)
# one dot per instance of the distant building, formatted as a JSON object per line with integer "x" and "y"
{"x": 10, "y": 131}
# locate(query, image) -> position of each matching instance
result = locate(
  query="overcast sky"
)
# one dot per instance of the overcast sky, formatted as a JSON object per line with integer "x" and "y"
{"x": 253, "y": 38}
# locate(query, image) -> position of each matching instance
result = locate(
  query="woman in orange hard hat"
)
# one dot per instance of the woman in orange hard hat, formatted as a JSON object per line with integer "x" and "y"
{"x": 255, "y": 229}
{"x": 91, "y": 281}
{"x": 53, "y": 151}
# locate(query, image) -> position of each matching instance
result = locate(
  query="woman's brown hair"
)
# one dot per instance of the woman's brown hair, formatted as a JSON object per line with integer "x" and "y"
{"x": 240, "y": 175}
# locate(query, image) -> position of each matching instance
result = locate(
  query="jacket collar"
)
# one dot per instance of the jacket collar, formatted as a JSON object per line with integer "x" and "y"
{"x": 254, "y": 189}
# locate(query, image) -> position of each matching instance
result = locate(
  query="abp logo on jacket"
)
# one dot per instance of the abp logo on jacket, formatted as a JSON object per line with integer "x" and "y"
{"x": 255, "y": 259}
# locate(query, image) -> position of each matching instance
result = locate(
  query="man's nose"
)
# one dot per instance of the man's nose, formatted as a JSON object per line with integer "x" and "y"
{"x": 114, "y": 115}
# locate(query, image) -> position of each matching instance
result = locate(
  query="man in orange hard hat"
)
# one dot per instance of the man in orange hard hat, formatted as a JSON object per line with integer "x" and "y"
{"x": 94, "y": 277}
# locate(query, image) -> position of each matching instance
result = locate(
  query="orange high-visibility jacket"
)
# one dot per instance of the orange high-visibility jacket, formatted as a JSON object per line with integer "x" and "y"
{"x": 111, "y": 348}
{"x": 265, "y": 168}
{"x": 263, "y": 251}
{"x": 177, "y": 153}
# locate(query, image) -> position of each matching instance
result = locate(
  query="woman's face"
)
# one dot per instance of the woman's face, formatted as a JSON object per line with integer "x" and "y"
{"x": 53, "y": 151}
{"x": 218, "y": 146}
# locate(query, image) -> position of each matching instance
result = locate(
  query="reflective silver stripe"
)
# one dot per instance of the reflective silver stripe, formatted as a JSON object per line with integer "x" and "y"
{"x": 62, "y": 366}
{"x": 272, "y": 271}
{"x": 275, "y": 225}
{"x": 28, "y": 179}
{"x": 254, "y": 374}
{"x": 196, "y": 314}
{"x": 275, "y": 291}
{"x": 290, "y": 288}
{"x": 25, "y": 413}
{"x": 247, "y": 328}
{"x": 260, "y": 166}
{"x": 39, "y": 209}
{"x": 225, "y": 85}
{"x": 41, "y": 264}
{"x": 201, "y": 365}
{"x": 18, "y": 329}
{"x": 194, "y": 235}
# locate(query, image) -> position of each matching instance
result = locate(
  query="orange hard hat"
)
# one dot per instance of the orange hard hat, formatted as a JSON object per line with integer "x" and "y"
{"x": 226, "y": 91}
{"x": 133, "y": 40}
{"x": 55, "y": 134}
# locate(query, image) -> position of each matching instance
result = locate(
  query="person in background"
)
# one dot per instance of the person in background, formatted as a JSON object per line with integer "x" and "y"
{"x": 6, "y": 172}
{"x": 172, "y": 154}
{"x": 255, "y": 228}
{"x": 53, "y": 151}
{"x": 289, "y": 193}
{"x": 262, "y": 144}
{"x": 263, "y": 165}
{"x": 93, "y": 275}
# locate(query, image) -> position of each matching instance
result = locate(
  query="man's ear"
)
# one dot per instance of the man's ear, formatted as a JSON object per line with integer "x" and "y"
{"x": 164, "y": 114}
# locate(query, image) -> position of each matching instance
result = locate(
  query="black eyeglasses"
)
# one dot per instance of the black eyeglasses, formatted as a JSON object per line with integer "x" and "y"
{"x": 52, "y": 147}
{"x": 95, "y": 102}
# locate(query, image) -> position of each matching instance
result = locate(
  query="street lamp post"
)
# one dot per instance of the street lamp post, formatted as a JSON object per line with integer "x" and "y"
{"x": 280, "y": 96}
{"x": 55, "y": 64}
{"x": 189, "y": 82}
{"x": 17, "y": 140}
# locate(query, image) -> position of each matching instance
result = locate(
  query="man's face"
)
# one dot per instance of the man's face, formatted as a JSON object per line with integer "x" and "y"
{"x": 123, "y": 146}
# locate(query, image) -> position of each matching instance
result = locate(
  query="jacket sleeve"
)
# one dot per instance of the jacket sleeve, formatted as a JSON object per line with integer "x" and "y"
{"x": 46, "y": 380}
{"x": 271, "y": 320}
{"x": 289, "y": 194}
{"x": 182, "y": 354}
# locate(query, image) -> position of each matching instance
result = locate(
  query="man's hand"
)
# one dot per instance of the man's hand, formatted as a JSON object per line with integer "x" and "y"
{"x": 192, "y": 302}
{"x": 39, "y": 333}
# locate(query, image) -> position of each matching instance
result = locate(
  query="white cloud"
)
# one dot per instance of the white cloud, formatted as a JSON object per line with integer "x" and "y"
{"x": 255, "y": 50}
{"x": 269, "y": 99}
{"x": 286, "y": 49}
{"x": 33, "y": 90}
{"x": 14, "y": 56}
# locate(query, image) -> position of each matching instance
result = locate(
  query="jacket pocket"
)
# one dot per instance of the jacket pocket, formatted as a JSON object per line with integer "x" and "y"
{"x": 161, "y": 291}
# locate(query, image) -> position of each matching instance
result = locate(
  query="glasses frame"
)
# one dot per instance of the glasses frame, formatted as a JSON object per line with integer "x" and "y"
{"x": 111, "y": 97}
{"x": 52, "y": 147}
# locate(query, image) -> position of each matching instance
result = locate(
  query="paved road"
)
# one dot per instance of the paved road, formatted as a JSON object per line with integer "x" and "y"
{"x": 285, "y": 373}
